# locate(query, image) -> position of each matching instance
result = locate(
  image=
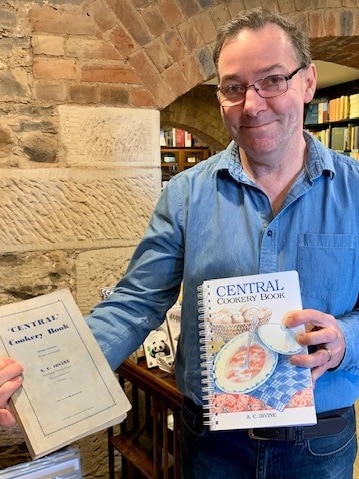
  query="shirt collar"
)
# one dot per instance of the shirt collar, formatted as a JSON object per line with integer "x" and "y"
{"x": 319, "y": 160}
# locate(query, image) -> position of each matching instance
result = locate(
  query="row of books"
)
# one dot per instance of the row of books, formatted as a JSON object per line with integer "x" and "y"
{"x": 322, "y": 110}
{"x": 176, "y": 138}
{"x": 340, "y": 138}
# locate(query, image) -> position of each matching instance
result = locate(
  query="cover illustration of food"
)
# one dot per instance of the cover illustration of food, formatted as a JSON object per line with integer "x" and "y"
{"x": 248, "y": 379}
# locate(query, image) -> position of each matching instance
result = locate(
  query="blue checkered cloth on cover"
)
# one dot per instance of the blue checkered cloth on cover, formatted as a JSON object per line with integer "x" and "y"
{"x": 285, "y": 381}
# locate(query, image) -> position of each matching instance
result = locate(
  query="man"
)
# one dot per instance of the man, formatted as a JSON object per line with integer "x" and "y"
{"x": 274, "y": 200}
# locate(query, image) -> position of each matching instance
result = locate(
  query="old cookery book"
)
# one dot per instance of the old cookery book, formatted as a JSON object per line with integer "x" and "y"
{"x": 248, "y": 380}
{"x": 69, "y": 390}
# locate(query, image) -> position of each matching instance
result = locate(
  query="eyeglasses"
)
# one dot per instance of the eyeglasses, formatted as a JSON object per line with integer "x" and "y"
{"x": 268, "y": 87}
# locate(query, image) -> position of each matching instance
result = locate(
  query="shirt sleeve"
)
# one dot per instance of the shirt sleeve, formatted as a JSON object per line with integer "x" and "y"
{"x": 148, "y": 289}
{"x": 350, "y": 327}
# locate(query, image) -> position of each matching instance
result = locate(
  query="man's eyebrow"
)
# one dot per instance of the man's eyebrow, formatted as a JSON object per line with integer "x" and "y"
{"x": 260, "y": 74}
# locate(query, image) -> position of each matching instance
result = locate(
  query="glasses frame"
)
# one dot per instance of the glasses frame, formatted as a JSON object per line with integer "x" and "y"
{"x": 286, "y": 77}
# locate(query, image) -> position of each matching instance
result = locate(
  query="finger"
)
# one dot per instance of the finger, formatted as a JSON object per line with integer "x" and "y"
{"x": 9, "y": 369}
{"x": 7, "y": 419}
{"x": 308, "y": 317}
{"x": 318, "y": 336}
{"x": 7, "y": 389}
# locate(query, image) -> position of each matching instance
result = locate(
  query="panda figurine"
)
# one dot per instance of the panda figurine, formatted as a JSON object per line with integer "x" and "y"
{"x": 159, "y": 348}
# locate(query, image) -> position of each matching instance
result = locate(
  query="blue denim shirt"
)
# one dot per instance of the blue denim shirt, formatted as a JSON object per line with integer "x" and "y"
{"x": 213, "y": 221}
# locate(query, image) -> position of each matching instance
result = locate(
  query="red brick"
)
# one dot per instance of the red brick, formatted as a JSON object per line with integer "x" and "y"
{"x": 108, "y": 74}
{"x": 114, "y": 95}
{"x": 331, "y": 24}
{"x": 316, "y": 24}
{"x": 154, "y": 20}
{"x": 82, "y": 94}
{"x": 174, "y": 45}
{"x": 175, "y": 78}
{"x": 192, "y": 71}
{"x": 88, "y": 48}
{"x": 140, "y": 97}
{"x": 48, "y": 44}
{"x": 54, "y": 69}
{"x": 135, "y": 25}
{"x": 158, "y": 53}
{"x": 191, "y": 38}
{"x": 221, "y": 15}
{"x": 47, "y": 19}
{"x": 170, "y": 12}
{"x": 103, "y": 16}
{"x": 205, "y": 26}
{"x": 149, "y": 75}
{"x": 235, "y": 6}
{"x": 49, "y": 91}
{"x": 124, "y": 43}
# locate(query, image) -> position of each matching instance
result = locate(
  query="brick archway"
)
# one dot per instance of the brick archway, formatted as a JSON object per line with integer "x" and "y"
{"x": 168, "y": 44}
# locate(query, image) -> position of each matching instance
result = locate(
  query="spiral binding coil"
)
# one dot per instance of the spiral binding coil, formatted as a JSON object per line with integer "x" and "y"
{"x": 206, "y": 356}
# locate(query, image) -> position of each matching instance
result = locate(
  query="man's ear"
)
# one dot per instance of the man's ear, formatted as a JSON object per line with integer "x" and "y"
{"x": 311, "y": 83}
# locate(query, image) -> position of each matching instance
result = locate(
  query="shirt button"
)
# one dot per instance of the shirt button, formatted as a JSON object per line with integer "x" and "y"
{"x": 269, "y": 233}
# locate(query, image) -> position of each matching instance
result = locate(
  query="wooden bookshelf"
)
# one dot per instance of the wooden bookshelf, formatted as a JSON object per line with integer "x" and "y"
{"x": 174, "y": 160}
{"x": 333, "y": 117}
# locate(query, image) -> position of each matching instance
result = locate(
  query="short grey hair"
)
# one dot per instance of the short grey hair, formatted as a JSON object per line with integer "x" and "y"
{"x": 256, "y": 19}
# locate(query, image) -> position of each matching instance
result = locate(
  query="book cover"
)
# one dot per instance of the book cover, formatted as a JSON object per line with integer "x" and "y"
{"x": 173, "y": 319}
{"x": 248, "y": 380}
{"x": 69, "y": 390}
{"x": 338, "y": 137}
{"x": 65, "y": 464}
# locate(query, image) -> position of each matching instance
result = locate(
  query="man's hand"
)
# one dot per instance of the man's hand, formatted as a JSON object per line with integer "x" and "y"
{"x": 323, "y": 331}
{"x": 10, "y": 381}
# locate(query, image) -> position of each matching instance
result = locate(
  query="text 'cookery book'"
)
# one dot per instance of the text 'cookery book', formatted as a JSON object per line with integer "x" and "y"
{"x": 69, "y": 390}
{"x": 248, "y": 379}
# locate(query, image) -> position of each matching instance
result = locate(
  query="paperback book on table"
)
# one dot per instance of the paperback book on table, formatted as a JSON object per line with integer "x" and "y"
{"x": 248, "y": 379}
{"x": 69, "y": 390}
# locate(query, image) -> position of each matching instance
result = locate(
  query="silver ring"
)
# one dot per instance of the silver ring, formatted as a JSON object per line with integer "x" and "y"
{"x": 329, "y": 353}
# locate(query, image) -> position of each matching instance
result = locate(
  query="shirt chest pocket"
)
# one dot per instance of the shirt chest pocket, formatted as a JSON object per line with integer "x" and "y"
{"x": 327, "y": 271}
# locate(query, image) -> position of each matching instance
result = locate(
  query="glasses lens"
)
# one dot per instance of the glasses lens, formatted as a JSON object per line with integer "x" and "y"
{"x": 272, "y": 85}
{"x": 231, "y": 95}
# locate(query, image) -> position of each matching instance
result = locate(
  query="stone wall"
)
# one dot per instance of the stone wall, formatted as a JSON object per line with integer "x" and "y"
{"x": 84, "y": 87}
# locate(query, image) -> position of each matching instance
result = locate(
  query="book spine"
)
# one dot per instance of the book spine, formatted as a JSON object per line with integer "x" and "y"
{"x": 206, "y": 355}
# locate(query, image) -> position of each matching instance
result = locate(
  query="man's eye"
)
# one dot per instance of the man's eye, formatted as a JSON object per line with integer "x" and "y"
{"x": 232, "y": 90}
{"x": 272, "y": 80}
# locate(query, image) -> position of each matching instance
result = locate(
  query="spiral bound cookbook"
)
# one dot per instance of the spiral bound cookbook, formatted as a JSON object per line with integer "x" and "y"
{"x": 247, "y": 377}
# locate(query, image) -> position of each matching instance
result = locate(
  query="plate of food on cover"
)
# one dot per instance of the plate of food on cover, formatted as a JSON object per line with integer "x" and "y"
{"x": 232, "y": 372}
{"x": 280, "y": 339}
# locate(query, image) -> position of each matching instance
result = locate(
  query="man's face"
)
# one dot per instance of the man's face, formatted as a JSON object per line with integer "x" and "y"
{"x": 264, "y": 126}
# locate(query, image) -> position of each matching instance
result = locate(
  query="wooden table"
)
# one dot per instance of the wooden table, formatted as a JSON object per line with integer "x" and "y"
{"x": 148, "y": 439}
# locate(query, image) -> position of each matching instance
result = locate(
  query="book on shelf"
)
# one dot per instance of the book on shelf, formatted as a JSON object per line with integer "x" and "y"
{"x": 176, "y": 138}
{"x": 322, "y": 135}
{"x": 248, "y": 379}
{"x": 64, "y": 464}
{"x": 69, "y": 390}
{"x": 317, "y": 111}
{"x": 339, "y": 138}
{"x": 339, "y": 108}
{"x": 354, "y": 105}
